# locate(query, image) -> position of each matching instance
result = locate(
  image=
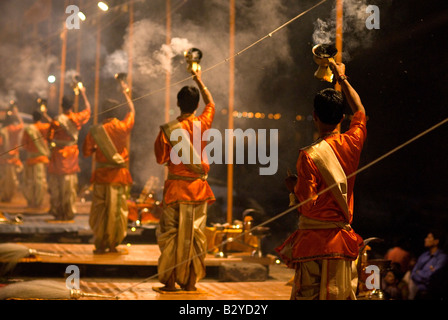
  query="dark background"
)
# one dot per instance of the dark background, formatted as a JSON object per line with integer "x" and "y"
{"x": 399, "y": 70}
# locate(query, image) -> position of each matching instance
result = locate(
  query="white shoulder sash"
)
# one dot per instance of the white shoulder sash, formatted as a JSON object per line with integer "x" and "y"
{"x": 331, "y": 170}
{"x": 106, "y": 145}
{"x": 69, "y": 126}
{"x": 191, "y": 163}
{"x": 38, "y": 140}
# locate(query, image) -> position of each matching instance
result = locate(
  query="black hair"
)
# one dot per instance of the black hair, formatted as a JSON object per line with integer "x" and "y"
{"x": 37, "y": 115}
{"x": 67, "y": 103}
{"x": 438, "y": 235}
{"x": 329, "y": 106}
{"x": 188, "y": 99}
{"x": 10, "y": 117}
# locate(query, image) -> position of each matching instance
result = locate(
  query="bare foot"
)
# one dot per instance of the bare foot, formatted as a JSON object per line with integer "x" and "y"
{"x": 170, "y": 284}
{"x": 120, "y": 251}
{"x": 169, "y": 288}
{"x": 190, "y": 288}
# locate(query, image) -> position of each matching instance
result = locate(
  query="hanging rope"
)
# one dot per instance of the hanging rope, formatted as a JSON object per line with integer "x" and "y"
{"x": 269, "y": 35}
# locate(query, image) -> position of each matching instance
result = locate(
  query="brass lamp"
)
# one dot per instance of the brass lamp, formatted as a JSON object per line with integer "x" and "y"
{"x": 193, "y": 57}
{"x": 323, "y": 54}
{"x": 122, "y": 79}
{"x": 76, "y": 84}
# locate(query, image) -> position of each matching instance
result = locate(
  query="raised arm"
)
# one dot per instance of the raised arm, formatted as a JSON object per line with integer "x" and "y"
{"x": 16, "y": 112}
{"x": 350, "y": 94}
{"x": 205, "y": 93}
{"x": 128, "y": 98}
{"x": 46, "y": 116}
{"x": 84, "y": 96}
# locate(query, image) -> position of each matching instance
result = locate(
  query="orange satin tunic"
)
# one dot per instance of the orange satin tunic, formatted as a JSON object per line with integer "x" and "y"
{"x": 118, "y": 132}
{"x": 64, "y": 159}
{"x": 333, "y": 243}
{"x": 30, "y": 147}
{"x": 186, "y": 191}
{"x": 11, "y": 156}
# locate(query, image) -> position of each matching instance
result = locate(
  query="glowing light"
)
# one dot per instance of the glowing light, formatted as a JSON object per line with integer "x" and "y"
{"x": 299, "y": 117}
{"x": 51, "y": 79}
{"x": 103, "y": 6}
{"x": 259, "y": 115}
{"x": 82, "y": 16}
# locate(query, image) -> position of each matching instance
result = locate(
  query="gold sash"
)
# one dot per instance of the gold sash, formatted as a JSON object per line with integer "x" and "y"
{"x": 38, "y": 140}
{"x": 328, "y": 165}
{"x": 308, "y": 223}
{"x": 4, "y": 133}
{"x": 190, "y": 163}
{"x": 172, "y": 176}
{"x": 106, "y": 145}
{"x": 70, "y": 128}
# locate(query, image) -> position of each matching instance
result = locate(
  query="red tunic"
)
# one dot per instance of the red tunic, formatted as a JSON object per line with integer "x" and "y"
{"x": 118, "y": 132}
{"x": 186, "y": 191}
{"x": 64, "y": 159}
{"x": 336, "y": 243}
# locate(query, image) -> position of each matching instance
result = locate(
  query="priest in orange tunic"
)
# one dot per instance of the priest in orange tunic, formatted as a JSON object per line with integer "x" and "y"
{"x": 64, "y": 163}
{"x": 181, "y": 236}
{"x": 111, "y": 178}
{"x": 324, "y": 247}
{"x": 10, "y": 163}
{"x": 34, "y": 141}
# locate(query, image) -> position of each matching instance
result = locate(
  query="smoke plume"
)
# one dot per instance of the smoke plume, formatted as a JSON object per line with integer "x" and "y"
{"x": 26, "y": 69}
{"x": 153, "y": 58}
{"x": 355, "y": 34}
{"x": 204, "y": 25}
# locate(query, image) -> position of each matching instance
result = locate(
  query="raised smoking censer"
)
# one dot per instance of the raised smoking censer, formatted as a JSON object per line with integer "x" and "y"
{"x": 193, "y": 57}
{"x": 122, "y": 78}
{"x": 322, "y": 54}
{"x": 42, "y": 104}
{"x": 76, "y": 84}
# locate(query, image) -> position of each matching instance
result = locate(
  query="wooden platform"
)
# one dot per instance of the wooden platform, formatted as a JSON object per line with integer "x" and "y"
{"x": 137, "y": 255}
{"x": 145, "y": 287}
{"x": 207, "y": 290}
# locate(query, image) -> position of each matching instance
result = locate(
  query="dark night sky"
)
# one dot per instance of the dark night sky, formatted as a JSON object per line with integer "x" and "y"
{"x": 400, "y": 75}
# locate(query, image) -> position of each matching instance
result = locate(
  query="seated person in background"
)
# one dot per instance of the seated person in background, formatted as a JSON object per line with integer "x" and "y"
{"x": 392, "y": 285}
{"x": 427, "y": 264}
